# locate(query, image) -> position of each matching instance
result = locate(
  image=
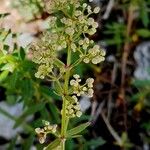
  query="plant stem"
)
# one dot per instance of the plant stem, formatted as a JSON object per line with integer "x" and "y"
{"x": 65, "y": 119}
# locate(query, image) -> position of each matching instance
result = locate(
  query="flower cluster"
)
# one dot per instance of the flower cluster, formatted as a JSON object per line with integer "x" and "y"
{"x": 80, "y": 23}
{"x": 42, "y": 132}
{"x": 43, "y": 71}
{"x": 85, "y": 89}
{"x": 95, "y": 55}
{"x": 73, "y": 107}
{"x": 45, "y": 53}
{"x": 55, "y": 5}
{"x": 91, "y": 53}
{"x": 66, "y": 32}
{"x": 45, "y": 50}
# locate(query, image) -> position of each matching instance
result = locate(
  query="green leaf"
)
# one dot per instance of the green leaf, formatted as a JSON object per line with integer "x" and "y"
{"x": 71, "y": 10}
{"x": 75, "y": 136}
{"x": 3, "y": 75}
{"x": 54, "y": 113}
{"x": 59, "y": 63}
{"x": 77, "y": 129}
{"x": 94, "y": 143}
{"x": 48, "y": 92}
{"x": 9, "y": 66}
{"x": 11, "y": 99}
{"x": 141, "y": 83}
{"x": 27, "y": 90}
{"x": 57, "y": 88}
{"x": 33, "y": 109}
{"x": 22, "y": 53}
{"x": 28, "y": 142}
{"x": 53, "y": 145}
{"x": 70, "y": 144}
{"x": 145, "y": 33}
{"x": 12, "y": 81}
{"x": 146, "y": 125}
{"x": 144, "y": 14}
{"x": 12, "y": 144}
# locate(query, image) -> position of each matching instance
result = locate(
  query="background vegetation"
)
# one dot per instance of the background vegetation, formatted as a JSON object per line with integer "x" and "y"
{"x": 120, "y": 108}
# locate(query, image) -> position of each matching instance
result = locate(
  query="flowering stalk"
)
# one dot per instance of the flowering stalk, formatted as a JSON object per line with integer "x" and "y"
{"x": 68, "y": 33}
{"x": 65, "y": 119}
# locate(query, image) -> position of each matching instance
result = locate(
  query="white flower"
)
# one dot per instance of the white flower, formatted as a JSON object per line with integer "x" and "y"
{"x": 85, "y": 28}
{"x": 86, "y": 60}
{"x": 39, "y": 130}
{"x": 76, "y": 76}
{"x": 103, "y": 52}
{"x": 81, "y": 42}
{"x": 77, "y": 107}
{"x": 50, "y": 127}
{"x": 70, "y": 31}
{"x": 92, "y": 31}
{"x": 95, "y": 25}
{"x": 74, "y": 83}
{"x": 90, "y": 21}
{"x": 96, "y": 10}
{"x": 59, "y": 47}
{"x": 90, "y": 92}
{"x": 84, "y": 89}
{"x": 70, "y": 111}
{"x": 42, "y": 139}
{"x": 89, "y": 9}
{"x": 78, "y": 113}
{"x": 75, "y": 98}
{"x": 54, "y": 128}
{"x": 73, "y": 47}
{"x": 96, "y": 60}
{"x": 78, "y": 13}
{"x": 84, "y": 5}
{"x": 90, "y": 82}
{"x": 77, "y": 5}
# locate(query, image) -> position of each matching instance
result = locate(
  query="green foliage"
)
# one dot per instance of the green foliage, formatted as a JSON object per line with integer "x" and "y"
{"x": 41, "y": 98}
{"x": 144, "y": 33}
{"x": 117, "y": 33}
{"x": 54, "y": 144}
{"x": 74, "y": 131}
{"x": 17, "y": 78}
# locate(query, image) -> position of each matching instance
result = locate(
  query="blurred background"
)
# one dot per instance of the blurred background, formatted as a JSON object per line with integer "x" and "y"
{"x": 120, "y": 108}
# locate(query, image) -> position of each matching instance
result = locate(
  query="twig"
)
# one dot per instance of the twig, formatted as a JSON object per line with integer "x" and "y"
{"x": 111, "y": 130}
{"x": 126, "y": 51}
{"x": 109, "y": 104}
{"x": 98, "y": 112}
{"x": 94, "y": 105}
{"x": 108, "y": 9}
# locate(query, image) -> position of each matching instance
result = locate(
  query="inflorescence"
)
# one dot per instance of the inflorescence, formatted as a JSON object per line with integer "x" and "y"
{"x": 69, "y": 30}
{"x": 42, "y": 132}
{"x": 66, "y": 32}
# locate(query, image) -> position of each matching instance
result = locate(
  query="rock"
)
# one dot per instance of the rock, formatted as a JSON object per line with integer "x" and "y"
{"x": 6, "y": 124}
{"x": 142, "y": 57}
{"x": 85, "y": 103}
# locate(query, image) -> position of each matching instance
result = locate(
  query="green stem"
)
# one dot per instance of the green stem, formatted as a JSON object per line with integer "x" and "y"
{"x": 65, "y": 119}
{"x": 63, "y": 145}
{"x": 63, "y": 123}
{"x": 76, "y": 63}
